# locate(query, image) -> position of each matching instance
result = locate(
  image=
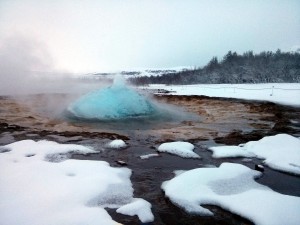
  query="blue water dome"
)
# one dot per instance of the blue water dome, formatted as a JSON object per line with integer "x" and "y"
{"x": 111, "y": 103}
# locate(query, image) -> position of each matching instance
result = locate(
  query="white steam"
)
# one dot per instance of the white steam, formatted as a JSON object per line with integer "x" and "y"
{"x": 27, "y": 69}
{"x": 20, "y": 61}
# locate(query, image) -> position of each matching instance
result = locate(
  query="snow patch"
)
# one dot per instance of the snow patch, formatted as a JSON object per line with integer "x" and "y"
{"x": 281, "y": 152}
{"x": 180, "y": 148}
{"x": 232, "y": 187}
{"x": 230, "y": 151}
{"x": 117, "y": 144}
{"x": 37, "y": 191}
{"x": 139, "y": 207}
{"x": 42, "y": 150}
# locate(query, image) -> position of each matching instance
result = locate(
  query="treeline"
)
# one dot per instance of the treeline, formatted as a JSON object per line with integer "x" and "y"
{"x": 265, "y": 67}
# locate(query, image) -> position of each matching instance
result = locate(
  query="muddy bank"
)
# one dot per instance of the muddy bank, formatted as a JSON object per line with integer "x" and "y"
{"x": 234, "y": 121}
{"x": 226, "y": 121}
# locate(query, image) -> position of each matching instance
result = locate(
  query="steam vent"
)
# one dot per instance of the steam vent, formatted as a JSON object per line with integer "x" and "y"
{"x": 112, "y": 103}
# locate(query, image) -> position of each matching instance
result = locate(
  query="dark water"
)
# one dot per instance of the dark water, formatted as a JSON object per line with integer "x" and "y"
{"x": 149, "y": 174}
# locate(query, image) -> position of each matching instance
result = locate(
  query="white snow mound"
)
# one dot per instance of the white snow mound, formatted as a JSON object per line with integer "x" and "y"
{"x": 37, "y": 191}
{"x": 139, "y": 207}
{"x": 118, "y": 143}
{"x": 281, "y": 152}
{"x": 232, "y": 187}
{"x": 180, "y": 148}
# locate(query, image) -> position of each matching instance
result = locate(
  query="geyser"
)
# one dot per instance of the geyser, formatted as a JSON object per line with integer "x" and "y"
{"x": 112, "y": 103}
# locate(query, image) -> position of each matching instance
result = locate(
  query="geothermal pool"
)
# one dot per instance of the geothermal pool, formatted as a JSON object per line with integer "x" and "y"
{"x": 119, "y": 107}
{"x": 116, "y": 102}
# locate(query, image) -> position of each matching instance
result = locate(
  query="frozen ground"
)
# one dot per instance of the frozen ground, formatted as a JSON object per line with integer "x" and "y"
{"x": 232, "y": 187}
{"x": 39, "y": 185}
{"x": 280, "y": 152}
{"x": 283, "y": 93}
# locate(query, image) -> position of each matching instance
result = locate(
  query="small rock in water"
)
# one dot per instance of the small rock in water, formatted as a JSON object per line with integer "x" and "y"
{"x": 259, "y": 167}
{"x": 122, "y": 163}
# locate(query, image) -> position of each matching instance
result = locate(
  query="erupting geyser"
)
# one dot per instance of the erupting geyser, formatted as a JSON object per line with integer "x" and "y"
{"x": 114, "y": 102}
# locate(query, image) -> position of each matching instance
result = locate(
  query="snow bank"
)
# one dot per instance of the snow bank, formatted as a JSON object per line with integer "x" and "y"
{"x": 180, "y": 148}
{"x": 232, "y": 187}
{"x": 117, "y": 144}
{"x": 283, "y": 93}
{"x": 35, "y": 190}
{"x": 281, "y": 152}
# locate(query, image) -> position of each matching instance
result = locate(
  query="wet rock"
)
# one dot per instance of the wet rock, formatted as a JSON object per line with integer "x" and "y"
{"x": 237, "y": 137}
{"x": 121, "y": 162}
{"x": 259, "y": 168}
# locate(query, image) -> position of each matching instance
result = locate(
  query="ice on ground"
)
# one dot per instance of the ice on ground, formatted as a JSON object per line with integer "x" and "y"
{"x": 138, "y": 207}
{"x": 37, "y": 191}
{"x": 118, "y": 143}
{"x": 115, "y": 102}
{"x": 180, "y": 148}
{"x": 281, "y": 152}
{"x": 232, "y": 187}
{"x": 149, "y": 156}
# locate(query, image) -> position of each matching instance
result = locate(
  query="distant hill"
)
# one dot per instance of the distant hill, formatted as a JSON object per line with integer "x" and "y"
{"x": 265, "y": 67}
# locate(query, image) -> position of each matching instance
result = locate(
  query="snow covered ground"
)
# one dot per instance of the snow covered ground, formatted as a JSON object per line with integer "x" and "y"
{"x": 232, "y": 187}
{"x": 282, "y": 93}
{"x": 39, "y": 185}
{"x": 281, "y": 152}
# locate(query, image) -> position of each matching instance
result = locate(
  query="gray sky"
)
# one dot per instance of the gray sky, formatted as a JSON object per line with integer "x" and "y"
{"x": 101, "y": 35}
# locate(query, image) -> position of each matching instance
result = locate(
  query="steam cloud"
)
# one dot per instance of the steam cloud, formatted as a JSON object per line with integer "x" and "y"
{"x": 27, "y": 68}
{"x": 20, "y": 60}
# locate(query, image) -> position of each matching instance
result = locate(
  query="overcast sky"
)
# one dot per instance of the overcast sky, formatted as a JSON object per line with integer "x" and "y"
{"x": 101, "y": 35}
